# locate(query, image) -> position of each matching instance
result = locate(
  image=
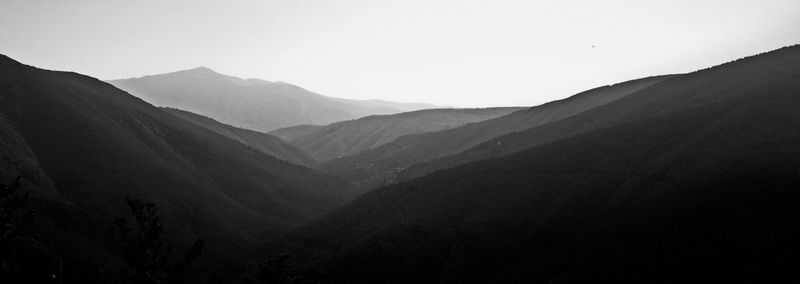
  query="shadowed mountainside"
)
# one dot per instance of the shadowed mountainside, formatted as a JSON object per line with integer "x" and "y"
{"x": 699, "y": 184}
{"x": 262, "y": 142}
{"x": 250, "y": 103}
{"x": 381, "y": 165}
{"x": 347, "y": 138}
{"x": 732, "y": 81}
{"x": 82, "y": 146}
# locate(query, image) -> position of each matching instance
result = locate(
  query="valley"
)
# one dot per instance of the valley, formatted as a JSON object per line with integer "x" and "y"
{"x": 658, "y": 179}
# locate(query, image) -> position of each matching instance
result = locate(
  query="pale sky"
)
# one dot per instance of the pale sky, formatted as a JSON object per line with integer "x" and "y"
{"x": 458, "y": 53}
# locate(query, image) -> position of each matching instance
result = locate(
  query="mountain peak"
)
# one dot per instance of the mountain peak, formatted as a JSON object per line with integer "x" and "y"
{"x": 201, "y": 69}
{"x": 202, "y": 73}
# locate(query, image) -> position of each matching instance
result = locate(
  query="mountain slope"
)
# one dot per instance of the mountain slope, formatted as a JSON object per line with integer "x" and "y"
{"x": 262, "y": 142}
{"x": 382, "y": 164}
{"x": 98, "y": 145}
{"x": 295, "y": 132}
{"x": 253, "y": 104}
{"x": 704, "y": 190}
{"x": 19, "y": 160}
{"x": 729, "y": 81}
{"x": 351, "y": 137}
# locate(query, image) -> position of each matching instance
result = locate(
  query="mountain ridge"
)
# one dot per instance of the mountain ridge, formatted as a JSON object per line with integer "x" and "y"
{"x": 626, "y": 109}
{"x": 268, "y": 144}
{"x": 347, "y": 138}
{"x": 97, "y": 145}
{"x": 249, "y": 103}
{"x": 382, "y": 165}
{"x": 703, "y": 189}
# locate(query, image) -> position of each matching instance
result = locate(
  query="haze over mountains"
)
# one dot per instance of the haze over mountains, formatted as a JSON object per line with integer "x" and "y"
{"x": 251, "y": 103}
{"x": 268, "y": 144}
{"x": 674, "y": 178}
{"x": 348, "y": 138}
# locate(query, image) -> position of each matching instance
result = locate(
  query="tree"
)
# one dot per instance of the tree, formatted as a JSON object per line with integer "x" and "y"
{"x": 143, "y": 249}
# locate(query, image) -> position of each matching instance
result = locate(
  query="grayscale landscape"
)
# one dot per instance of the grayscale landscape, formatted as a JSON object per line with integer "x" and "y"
{"x": 399, "y": 141}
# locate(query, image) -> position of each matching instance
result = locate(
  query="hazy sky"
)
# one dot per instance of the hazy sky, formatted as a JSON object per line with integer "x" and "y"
{"x": 458, "y": 53}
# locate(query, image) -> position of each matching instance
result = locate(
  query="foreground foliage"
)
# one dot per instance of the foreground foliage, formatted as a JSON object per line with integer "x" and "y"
{"x": 145, "y": 251}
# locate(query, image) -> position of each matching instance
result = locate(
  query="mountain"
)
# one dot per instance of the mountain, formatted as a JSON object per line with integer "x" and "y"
{"x": 404, "y": 107}
{"x": 292, "y": 133}
{"x": 351, "y": 137}
{"x": 692, "y": 180}
{"x": 250, "y": 103}
{"x": 381, "y": 165}
{"x": 82, "y": 146}
{"x": 262, "y": 142}
{"x": 645, "y": 103}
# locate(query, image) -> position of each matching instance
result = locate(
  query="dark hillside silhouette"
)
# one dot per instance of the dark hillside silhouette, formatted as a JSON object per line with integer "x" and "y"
{"x": 679, "y": 178}
{"x": 700, "y": 189}
{"x": 85, "y": 145}
{"x": 382, "y": 165}
{"x": 740, "y": 80}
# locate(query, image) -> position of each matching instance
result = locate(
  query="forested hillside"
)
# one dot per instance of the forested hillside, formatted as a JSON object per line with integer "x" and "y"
{"x": 383, "y": 164}
{"x": 351, "y": 137}
{"x": 82, "y": 147}
{"x": 704, "y": 190}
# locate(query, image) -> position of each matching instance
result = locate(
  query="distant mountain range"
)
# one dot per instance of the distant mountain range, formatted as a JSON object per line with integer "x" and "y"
{"x": 351, "y": 137}
{"x": 251, "y": 103}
